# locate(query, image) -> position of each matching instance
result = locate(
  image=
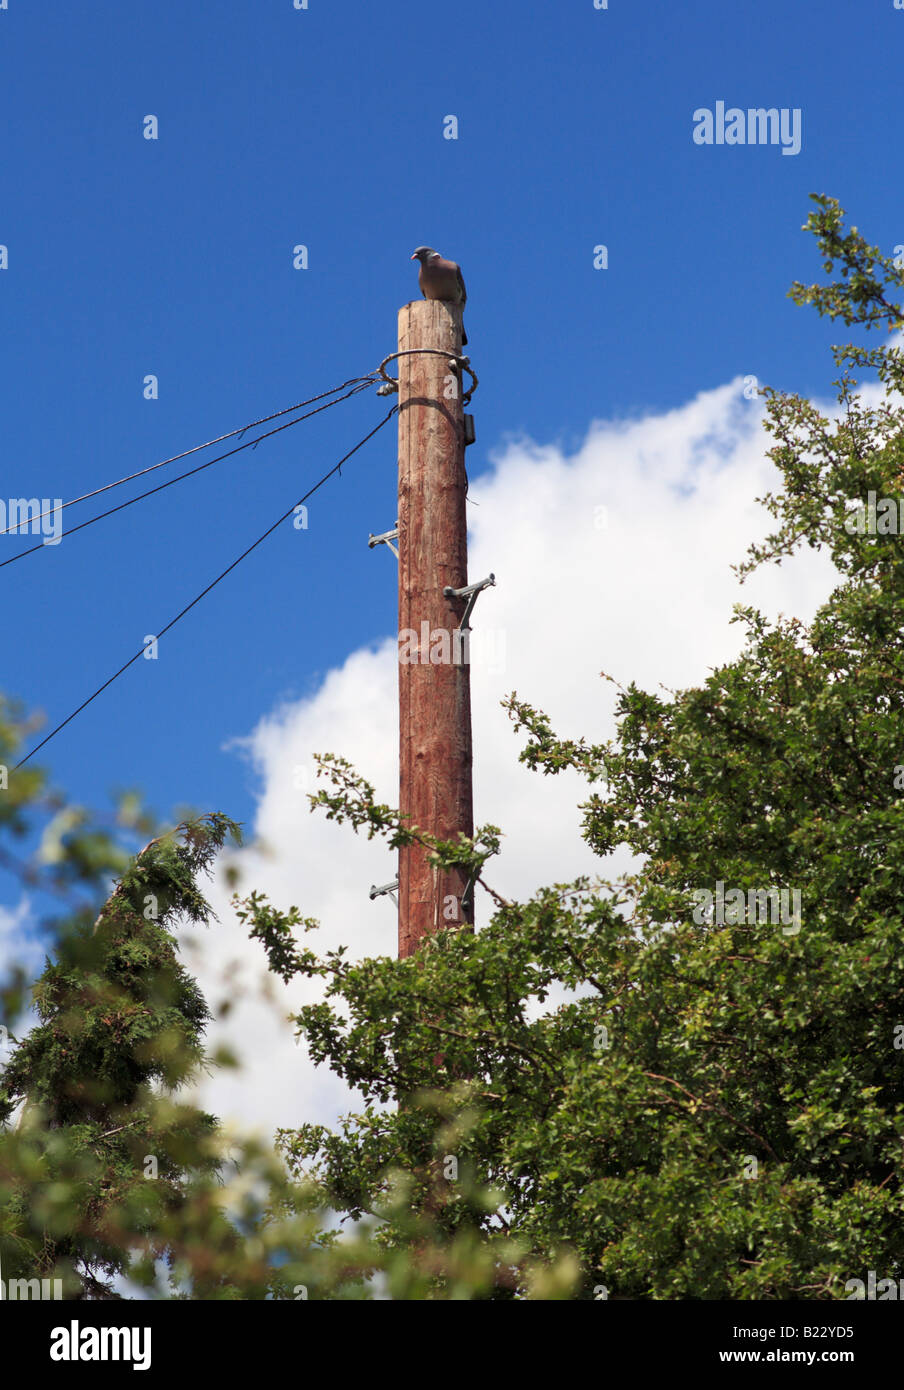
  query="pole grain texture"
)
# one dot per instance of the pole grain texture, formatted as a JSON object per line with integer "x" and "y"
{"x": 435, "y": 755}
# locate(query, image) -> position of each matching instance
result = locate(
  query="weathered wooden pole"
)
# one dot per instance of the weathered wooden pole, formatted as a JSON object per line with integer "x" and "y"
{"x": 434, "y": 676}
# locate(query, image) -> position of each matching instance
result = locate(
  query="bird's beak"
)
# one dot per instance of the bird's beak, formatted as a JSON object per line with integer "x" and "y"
{"x": 414, "y": 258}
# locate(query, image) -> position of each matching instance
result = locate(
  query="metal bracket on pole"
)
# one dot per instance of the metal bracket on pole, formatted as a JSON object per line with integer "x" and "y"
{"x": 390, "y": 888}
{"x": 467, "y": 899}
{"x": 390, "y": 384}
{"x": 470, "y": 592}
{"x": 386, "y": 538}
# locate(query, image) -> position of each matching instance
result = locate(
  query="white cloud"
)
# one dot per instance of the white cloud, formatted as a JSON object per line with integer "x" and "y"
{"x": 19, "y": 944}
{"x": 646, "y": 597}
{"x": 18, "y": 939}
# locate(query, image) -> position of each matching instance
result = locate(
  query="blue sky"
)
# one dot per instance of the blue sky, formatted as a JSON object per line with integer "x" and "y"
{"x": 325, "y": 127}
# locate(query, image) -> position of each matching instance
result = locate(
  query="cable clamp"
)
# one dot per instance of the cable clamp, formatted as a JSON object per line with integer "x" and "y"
{"x": 391, "y": 383}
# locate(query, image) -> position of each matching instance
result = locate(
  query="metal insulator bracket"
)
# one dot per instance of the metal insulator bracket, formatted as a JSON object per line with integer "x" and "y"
{"x": 386, "y": 538}
{"x": 390, "y": 888}
{"x": 470, "y": 592}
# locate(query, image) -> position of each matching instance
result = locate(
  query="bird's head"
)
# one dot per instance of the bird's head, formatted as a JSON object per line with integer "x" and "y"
{"x": 423, "y": 254}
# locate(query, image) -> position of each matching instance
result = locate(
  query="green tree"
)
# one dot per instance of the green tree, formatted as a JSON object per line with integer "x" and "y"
{"x": 120, "y": 1031}
{"x": 716, "y": 1108}
{"x": 103, "y": 1172}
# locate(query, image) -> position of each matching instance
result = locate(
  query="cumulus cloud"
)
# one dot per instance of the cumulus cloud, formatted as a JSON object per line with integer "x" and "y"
{"x": 613, "y": 558}
{"x": 17, "y": 936}
{"x": 19, "y": 943}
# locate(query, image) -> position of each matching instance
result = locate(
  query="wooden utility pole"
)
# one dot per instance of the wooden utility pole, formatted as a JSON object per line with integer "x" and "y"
{"x": 434, "y": 675}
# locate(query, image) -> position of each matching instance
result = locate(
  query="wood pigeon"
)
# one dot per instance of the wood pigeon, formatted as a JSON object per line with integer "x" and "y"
{"x": 441, "y": 279}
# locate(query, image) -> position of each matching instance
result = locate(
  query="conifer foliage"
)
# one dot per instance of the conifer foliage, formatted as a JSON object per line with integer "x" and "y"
{"x": 120, "y": 1029}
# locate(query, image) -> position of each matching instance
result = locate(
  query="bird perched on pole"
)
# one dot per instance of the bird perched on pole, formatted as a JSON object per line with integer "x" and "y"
{"x": 441, "y": 279}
